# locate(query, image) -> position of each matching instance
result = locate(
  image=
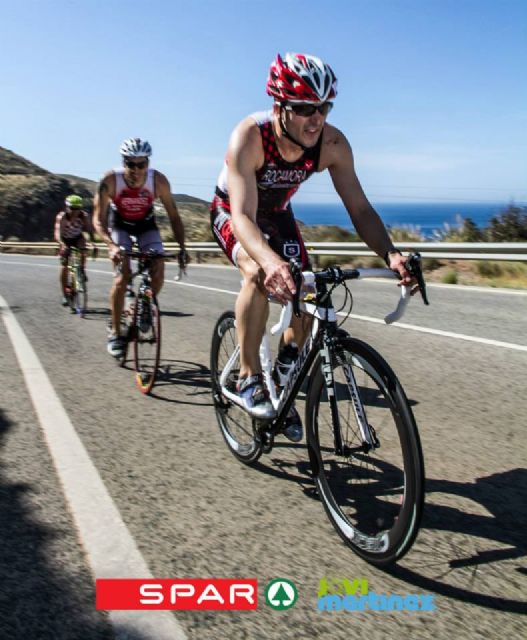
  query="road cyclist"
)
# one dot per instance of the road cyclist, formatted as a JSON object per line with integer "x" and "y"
{"x": 70, "y": 226}
{"x": 270, "y": 154}
{"x": 128, "y": 193}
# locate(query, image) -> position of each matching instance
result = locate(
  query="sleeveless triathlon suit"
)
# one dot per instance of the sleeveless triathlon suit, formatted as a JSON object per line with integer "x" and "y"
{"x": 132, "y": 213}
{"x": 132, "y": 208}
{"x": 71, "y": 228}
{"x": 277, "y": 181}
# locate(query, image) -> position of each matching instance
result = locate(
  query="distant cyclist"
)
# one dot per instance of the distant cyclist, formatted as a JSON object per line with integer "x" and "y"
{"x": 129, "y": 194}
{"x": 269, "y": 155}
{"x": 70, "y": 226}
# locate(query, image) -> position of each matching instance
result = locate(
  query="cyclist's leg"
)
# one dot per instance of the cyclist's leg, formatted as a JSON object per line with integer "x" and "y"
{"x": 121, "y": 277}
{"x": 252, "y": 311}
{"x": 288, "y": 243}
{"x": 252, "y": 307}
{"x": 151, "y": 240}
{"x": 63, "y": 276}
{"x": 81, "y": 244}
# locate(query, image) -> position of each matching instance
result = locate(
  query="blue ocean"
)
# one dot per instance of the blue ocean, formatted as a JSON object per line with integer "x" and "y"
{"x": 429, "y": 219}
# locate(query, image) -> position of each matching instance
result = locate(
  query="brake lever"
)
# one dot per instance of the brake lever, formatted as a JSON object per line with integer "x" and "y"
{"x": 296, "y": 272}
{"x": 413, "y": 264}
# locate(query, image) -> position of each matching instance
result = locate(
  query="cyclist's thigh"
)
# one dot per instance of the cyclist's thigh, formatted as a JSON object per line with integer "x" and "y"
{"x": 121, "y": 238}
{"x": 286, "y": 240}
{"x": 150, "y": 241}
{"x": 65, "y": 252}
{"x": 221, "y": 224}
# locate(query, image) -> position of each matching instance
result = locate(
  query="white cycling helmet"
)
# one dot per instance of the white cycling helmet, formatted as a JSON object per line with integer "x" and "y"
{"x": 135, "y": 148}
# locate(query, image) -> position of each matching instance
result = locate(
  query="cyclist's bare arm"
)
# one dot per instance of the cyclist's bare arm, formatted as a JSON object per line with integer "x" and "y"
{"x": 58, "y": 227}
{"x": 88, "y": 226}
{"x": 245, "y": 155}
{"x": 162, "y": 187}
{"x": 105, "y": 193}
{"x": 337, "y": 157}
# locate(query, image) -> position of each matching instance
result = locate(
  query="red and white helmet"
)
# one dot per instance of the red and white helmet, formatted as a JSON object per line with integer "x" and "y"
{"x": 301, "y": 78}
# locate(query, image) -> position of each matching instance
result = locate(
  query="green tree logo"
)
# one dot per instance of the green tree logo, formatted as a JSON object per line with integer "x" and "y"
{"x": 280, "y": 594}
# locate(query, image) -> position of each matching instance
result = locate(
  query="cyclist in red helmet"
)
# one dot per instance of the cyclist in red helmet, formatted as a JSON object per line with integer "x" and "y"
{"x": 269, "y": 155}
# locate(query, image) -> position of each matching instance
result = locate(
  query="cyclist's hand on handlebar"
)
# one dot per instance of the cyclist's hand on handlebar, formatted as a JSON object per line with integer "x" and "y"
{"x": 278, "y": 281}
{"x": 183, "y": 259}
{"x": 114, "y": 253}
{"x": 397, "y": 263}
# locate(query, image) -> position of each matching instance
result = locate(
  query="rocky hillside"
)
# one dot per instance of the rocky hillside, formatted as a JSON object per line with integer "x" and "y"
{"x": 31, "y": 196}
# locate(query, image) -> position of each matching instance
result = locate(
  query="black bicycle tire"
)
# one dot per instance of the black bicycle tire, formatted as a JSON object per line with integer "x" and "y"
{"x": 146, "y": 389}
{"x": 404, "y": 532}
{"x": 82, "y": 296}
{"x": 248, "y": 454}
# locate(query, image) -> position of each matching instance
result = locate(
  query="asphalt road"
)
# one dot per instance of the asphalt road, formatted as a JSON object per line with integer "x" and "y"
{"x": 194, "y": 511}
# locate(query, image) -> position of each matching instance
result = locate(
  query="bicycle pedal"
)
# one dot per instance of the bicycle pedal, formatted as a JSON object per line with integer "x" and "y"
{"x": 266, "y": 438}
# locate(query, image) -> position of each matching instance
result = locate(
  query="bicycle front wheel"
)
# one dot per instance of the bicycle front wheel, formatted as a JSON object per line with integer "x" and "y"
{"x": 147, "y": 341}
{"x": 81, "y": 294}
{"x": 236, "y": 425}
{"x": 373, "y": 496}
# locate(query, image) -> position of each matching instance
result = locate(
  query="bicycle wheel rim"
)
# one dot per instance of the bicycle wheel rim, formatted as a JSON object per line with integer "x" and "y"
{"x": 374, "y": 499}
{"x": 235, "y": 424}
{"x": 147, "y": 345}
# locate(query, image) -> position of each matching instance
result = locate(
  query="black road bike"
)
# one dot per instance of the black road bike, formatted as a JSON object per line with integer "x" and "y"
{"x": 362, "y": 438}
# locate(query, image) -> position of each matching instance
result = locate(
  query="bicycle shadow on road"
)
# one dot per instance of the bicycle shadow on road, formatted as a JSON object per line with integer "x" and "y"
{"x": 40, "y": 596}
{"x": 476, "y": 543}
{"x": 183, "y": 382}
{"x": 175, "y": 314}
{"x": 96, "y": 311}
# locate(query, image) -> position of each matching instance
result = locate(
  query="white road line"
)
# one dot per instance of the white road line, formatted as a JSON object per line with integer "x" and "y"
{"x": 465, "y": 288}
{"x": 111, "y": 551}
{"x": 439, "y": 332}
{"x": 401, "y": 325}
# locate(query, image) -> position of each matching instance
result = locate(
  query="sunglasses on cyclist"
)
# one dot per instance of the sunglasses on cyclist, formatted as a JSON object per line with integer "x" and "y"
{"x": 136, "y": 165}
{"x": 307, "y": 110}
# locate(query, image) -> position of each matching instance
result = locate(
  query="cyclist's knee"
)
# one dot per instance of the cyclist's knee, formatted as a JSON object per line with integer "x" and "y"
{"x": 121, "y": 280}
{"x": 253, "y": 275}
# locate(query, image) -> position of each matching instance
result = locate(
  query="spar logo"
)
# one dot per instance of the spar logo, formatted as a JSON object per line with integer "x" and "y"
{"x": 341, "y": 594}
{"x": 280, "y": 594}
{"x": 186, "y": 594}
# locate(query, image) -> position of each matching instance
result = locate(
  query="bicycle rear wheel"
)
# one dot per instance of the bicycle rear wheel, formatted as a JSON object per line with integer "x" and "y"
{"x": 237, "y": 427}
{"x": 147, "y": 340}
{"x": 374, "y": 498}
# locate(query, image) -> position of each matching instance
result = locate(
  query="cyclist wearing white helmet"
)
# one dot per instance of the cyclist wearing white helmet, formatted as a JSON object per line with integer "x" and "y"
{"x": 129, "y": 192}
{"x": 70, "y": 226}
{"x": 269, "y": 155}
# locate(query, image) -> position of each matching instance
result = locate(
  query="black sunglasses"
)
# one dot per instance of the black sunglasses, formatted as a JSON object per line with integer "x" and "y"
{"x": 306, "y": 110}
{"x": 136, "y": 165}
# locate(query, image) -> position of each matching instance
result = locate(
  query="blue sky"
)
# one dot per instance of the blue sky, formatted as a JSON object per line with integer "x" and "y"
{"x": 432, "y": 93}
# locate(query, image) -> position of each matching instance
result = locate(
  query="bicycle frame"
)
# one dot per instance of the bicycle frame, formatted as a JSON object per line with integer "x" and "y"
{"x": 320, "y": 341}
{"x": 75, "y": 266}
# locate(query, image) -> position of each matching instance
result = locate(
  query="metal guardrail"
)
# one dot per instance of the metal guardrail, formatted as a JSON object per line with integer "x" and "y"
{"x": 509, "y": 251}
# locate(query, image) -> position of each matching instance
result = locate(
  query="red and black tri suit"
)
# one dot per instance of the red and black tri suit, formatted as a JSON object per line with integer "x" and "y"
{"x": 277, "y": 181}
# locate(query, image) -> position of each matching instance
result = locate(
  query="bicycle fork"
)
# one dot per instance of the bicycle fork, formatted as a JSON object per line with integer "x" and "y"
{"x": 369, "y": 438}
